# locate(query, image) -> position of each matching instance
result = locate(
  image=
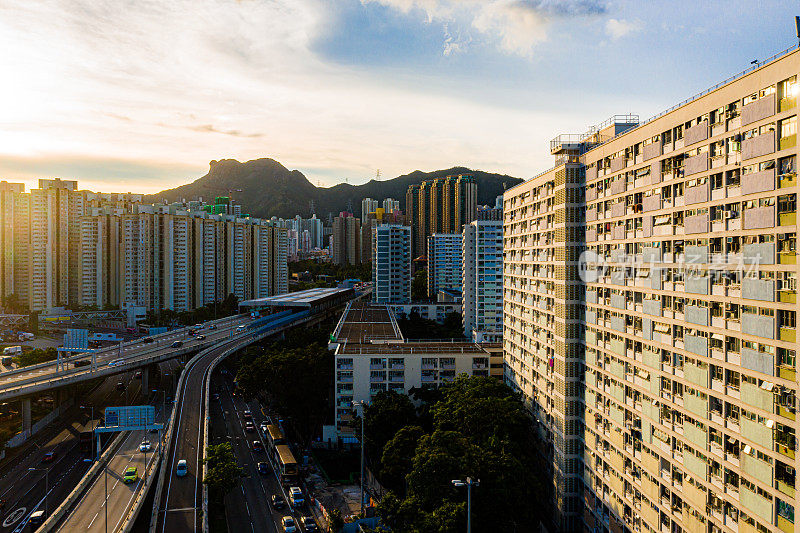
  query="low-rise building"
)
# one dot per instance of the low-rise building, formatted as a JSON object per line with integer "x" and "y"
{"x": 372, "y": 356}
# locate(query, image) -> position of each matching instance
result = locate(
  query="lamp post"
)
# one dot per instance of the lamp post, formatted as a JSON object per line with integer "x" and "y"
{"x": 46, "y": 486}
{"x": 469, "y": 484}
{"x": 164, "y": 417}
{"x": 362, "y": 404}
{"x": 105, "y": 502}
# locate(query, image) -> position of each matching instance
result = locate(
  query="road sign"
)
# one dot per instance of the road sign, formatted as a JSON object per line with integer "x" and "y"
{"x": 129, "y": 417}
{"x": 76, "y": 339}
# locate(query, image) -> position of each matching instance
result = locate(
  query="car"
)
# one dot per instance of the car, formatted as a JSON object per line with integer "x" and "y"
{"x": 82, "y": 362}
{"x": 145, "y": 446}
{"x": 288, "y": 524}
{"x": 309, "y": 523}
{"x": 49, "y": 457}
{"x": 200, "y": 337}
{"x": 263, "y": 468}
{"x": 176, "y": 344}
{"x": 36, "y": 518}
{"x": 198, "y": 326}
{"x": 120, "y": 385}
{"x": 116, "y": 362}
{"x": 257, "y": 446}
{"x": 215, "y": 396}
{"x": 241, "y": 327}
{"x": 248, "y": 415}
{"x": 277, "y": 502}
{"x": 182, "y": 469}
{"x": 296, "y": 496}
{"x": 249, "y": 427}
{"x": 131, "y": 475}
{"x": 138, "y": 374}
{"x": 148, "y": 340}
{"x": 212, "y": 326}
{"x": 153, "y": 430}
{"x": 263, "y": 427}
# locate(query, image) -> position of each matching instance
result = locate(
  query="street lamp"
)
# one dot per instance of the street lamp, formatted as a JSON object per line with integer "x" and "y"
{"x": 46, "y": 486}
{"x": 469, "y": 484}
{"x": 164, "y": 417}
{"x": 362, "y": 404}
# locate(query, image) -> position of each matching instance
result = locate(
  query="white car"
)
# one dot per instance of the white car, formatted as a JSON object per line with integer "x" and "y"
{"x": 288, "y": 524}
{"x": 182, "y": 469}
{"x": 296, "y": 496}
{"x": 144, "y": 446}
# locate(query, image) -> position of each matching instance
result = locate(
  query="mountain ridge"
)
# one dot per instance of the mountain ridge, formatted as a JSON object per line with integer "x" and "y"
{"x": 266, "y": 188}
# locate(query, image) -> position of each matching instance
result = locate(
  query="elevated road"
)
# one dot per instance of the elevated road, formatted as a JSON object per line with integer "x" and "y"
{"x": 91, "y": 514}
{"x": 115, "y": 360}
{"x": 178, "y": 506}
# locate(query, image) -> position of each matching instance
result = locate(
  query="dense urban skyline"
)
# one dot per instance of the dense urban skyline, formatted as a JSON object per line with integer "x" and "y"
{"x": 341, "y": 89}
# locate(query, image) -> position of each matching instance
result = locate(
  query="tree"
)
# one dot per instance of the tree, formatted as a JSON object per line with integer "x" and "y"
{"x": 295, "y": 374}
{"x": 397, "y": 456}
{"x": 386, "y": 414}
{"x": 484, "y": 409}
{"x": 419, "y": 286}
{"x": 12, "y": 303}
{"x": 479, "y": 428}
{"x": 222, "y": 472}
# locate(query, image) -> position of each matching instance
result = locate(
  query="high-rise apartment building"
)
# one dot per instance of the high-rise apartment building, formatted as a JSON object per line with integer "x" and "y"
{"x": 391, "y": 264}
{"x": 482, "y": 283}
{"x": 68, "y": 247}
{"x": 444, "y": 263}
{"x": 684, "y": 415}
{"x": 368, "y": 205}
{"x": 346, "y": 239}
{"x": 390, "y": 205}
{"x": 14, "y": 240}
{"x": 542, "y": 320}
{"x": 441, "y": 205}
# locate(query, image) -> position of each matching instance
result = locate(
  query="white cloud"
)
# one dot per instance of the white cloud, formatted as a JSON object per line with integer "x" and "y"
{"x": 618, "y": 28}
{"x": 100, "y": 87}
{"x": 517, "y": 26}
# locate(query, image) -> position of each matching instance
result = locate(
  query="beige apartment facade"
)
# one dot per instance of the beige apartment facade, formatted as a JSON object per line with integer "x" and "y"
{"x": 74, "y": 248}
{"x": 542, "y": 325}
{"x": 689, "y": 274}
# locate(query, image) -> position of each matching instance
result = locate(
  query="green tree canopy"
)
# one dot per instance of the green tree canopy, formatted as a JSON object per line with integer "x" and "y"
{"x": 387, "y": 413}
{"x": 222, "y": 472}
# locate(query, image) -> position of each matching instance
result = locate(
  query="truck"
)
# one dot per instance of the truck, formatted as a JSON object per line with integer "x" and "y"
{"x": 12, "y": 350}
{"x": 6, "y": 360}
{"x": 23, "y": 336}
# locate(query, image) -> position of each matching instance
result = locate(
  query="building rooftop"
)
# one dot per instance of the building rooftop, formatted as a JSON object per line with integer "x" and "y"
{"x": 413, "y": 348}
{"x": 305, "y": 299}
{"x": 372, "y": 329}
{"x": 366, "y": 323}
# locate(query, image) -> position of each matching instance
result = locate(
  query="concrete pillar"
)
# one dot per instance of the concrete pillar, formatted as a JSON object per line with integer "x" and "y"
{"x": 146, "y": 381}
{"x": 26, "y": 415}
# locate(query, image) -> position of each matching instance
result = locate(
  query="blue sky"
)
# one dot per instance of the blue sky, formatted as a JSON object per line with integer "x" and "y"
{"x": 140, "y": 96}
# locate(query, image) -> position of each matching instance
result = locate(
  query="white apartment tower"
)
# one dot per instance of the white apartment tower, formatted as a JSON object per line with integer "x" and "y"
{"x": 444, "y": 263}
{"x": 482, "y": 286}
{"x": 391, "y": 264}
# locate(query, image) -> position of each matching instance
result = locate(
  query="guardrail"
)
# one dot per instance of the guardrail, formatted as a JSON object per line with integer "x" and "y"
{"x": 67, "y": 377}
{"x": 242, "y": 340}
{"x": 85, "y": 481}
{"x": 149, "y": 475}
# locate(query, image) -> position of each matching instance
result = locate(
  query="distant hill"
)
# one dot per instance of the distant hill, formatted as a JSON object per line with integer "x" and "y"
{"x": 266, "y": 188}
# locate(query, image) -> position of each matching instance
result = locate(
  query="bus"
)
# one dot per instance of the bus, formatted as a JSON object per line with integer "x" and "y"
{"x": 287, "y": 466}
{"x": 274, "y": 436}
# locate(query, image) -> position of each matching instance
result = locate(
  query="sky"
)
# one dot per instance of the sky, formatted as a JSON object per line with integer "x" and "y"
{"x": 139, "y": 95}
